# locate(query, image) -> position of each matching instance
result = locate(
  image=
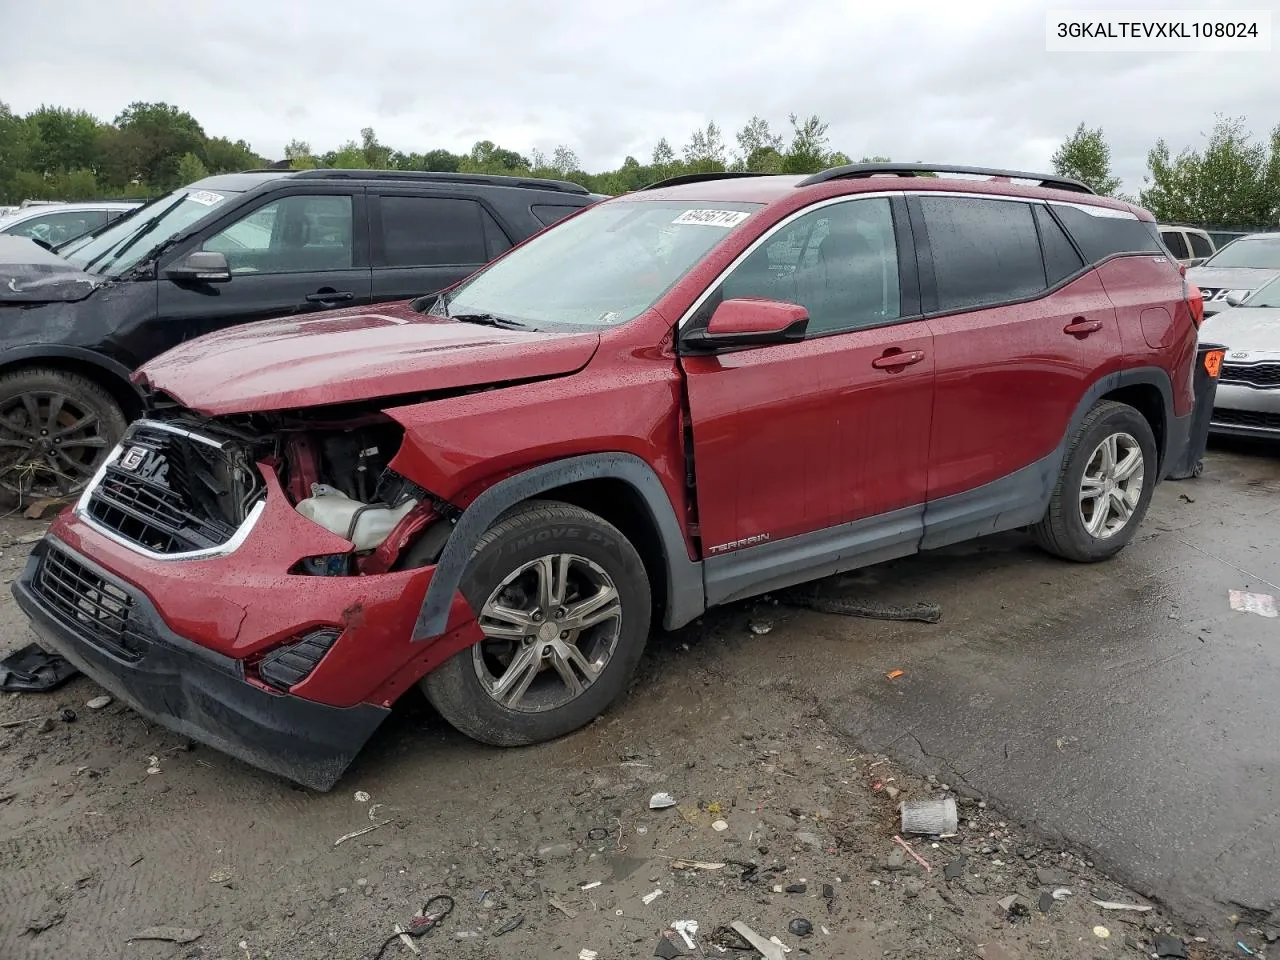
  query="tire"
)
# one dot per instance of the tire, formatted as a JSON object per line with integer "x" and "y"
{"x": 1065, "y": 530}
{"x": 526, "y": 539}
{"x": 40, "y": 409}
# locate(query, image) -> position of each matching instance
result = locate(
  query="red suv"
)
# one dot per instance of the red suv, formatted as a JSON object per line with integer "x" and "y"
{"x": 714, "y": 387}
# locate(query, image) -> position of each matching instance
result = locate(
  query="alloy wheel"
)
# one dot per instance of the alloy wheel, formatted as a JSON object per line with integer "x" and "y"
{"x": 50, "y": 444}
{"x": 550, "y": 629}
{"x": 1112, "y": 485}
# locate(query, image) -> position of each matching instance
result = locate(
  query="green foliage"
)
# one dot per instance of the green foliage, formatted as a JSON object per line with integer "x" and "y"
{"x": 154, "y": 138}
{"x": 191, "y": 168}
{"x": 1085, "y": 156}
{"x": 1233, "y": 181}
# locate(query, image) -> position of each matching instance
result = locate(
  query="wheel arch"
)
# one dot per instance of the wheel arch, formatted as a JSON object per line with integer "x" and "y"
{"x": 1148, "y": 390}
{"x": 109, "y": 374}
{"x": 619, "y": 487}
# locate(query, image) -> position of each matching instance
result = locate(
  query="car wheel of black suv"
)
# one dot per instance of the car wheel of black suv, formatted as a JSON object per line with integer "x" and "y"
{"x": 56, "y": 428}
{"x": 563, "y": 600}
{"x": 1104, "y": 487}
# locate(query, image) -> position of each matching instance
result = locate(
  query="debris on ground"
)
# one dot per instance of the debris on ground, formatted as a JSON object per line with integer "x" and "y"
{"x": 666, "y": 950}
{"x": 800, "y": 927}
{"x": 767, "y": 948}
{"x": 32, "y": 669}
{"x": 511, "y": 925}
{"x": 687, "y": 929}
{"x": 661, "y": 801}
{"x": 168, "y": 934}
{"x": 894, "y": 674}
{"x": 810, "y": 600}
{"x": 426, "y": 921}
{"x": 931, "y": 818}
{"x": 44, "y": 509}
{"x": 1263, "y": 604}
{"x": 1167, "y": 946}
{"x": 760, "y": 627}
{"x": 362, "y": 796}
{"x": 1116, "y": 905}
{"x": 1101, "y": 932}
{"x": 97, "y": 703}
{"x": 648, "y": 898}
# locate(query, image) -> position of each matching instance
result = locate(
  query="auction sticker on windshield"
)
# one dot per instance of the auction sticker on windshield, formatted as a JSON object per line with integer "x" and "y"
{"x": 205, "y": 198}
{"x": 712, "y": 218}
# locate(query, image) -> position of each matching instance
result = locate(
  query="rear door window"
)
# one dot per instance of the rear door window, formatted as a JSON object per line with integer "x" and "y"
{"x": 432, "y": 231}
{"x": 1200, "y": 245}
{"x": 1177, "y": 245}
{"x": 1100, "y": 233}
{"x": 984, "y": 251}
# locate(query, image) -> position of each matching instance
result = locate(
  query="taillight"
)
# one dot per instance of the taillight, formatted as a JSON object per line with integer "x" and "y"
{"x": 1195, "y": 303}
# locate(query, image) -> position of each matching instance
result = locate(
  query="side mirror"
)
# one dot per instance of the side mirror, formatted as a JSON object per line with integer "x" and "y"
{"x": 749, "y": 323}
{"x": 201, "y": 266}
{"x": 1232, "y": 300}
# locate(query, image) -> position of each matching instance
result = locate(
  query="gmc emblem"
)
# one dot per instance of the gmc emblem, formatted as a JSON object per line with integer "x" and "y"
{"x": 132, "y": 457}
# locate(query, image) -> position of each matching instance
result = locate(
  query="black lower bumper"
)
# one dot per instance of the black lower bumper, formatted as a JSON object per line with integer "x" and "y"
{"x": 194, "y": 691}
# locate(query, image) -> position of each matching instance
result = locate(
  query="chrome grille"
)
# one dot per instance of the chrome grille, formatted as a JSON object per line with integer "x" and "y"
{"x": 1254, "y": 374}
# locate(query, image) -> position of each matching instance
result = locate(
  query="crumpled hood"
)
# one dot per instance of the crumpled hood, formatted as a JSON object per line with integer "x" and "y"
{"x": 1252, "y": 331}
{"x": 31, "y": 274}
{"x": 360, "y": 353}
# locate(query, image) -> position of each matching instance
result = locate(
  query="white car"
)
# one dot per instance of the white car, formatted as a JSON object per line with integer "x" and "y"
{"x": 1247, "y": 402}
{"x": 56, "y": 223}
{"x": 1236, "y": 270}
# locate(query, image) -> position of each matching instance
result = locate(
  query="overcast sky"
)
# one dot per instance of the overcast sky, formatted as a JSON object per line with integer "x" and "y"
{"x": 954, "y": 82}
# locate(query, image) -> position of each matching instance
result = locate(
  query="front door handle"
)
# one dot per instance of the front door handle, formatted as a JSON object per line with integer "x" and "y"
{"x": 330, "y": 296}
{"x": 1080, "y": 327}
{"x": 897, "y": 359}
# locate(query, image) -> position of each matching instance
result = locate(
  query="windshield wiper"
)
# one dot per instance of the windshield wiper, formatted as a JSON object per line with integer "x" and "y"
{"x": 489, "y": 320}
{"x": 146, "y": 229}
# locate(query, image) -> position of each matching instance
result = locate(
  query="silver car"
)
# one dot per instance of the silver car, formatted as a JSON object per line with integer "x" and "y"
{"x": 1236, "y": 270}
{"x": 1248, "y": 397}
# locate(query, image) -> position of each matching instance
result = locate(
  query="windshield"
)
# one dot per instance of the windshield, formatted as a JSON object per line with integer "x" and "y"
{"x": 124, "y": 244}
{"x": 1261, "y": 252}
{"x": 603, "y": 267}
{"x": 1268, "y": 295}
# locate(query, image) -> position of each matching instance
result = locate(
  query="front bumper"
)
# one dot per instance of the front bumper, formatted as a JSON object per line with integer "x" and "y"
{"x": 199, "y": 693}
{"x": 1244, "y": 411}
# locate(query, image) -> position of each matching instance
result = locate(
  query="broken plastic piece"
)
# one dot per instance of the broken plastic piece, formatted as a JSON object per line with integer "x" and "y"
{"x": 687, "y": 930}
{"x": 666, "y": 950}
{"x": 1061, "y": 893}
{"x": 930, "y": 817}
{"x": 719, "y": 826}
{"x": 648, "y": 898}
{"x": 695, "y": 865}
{"x": 97, "y": 703}
{"x": 1263, "y": 604}
{"x": 660, "y": 801}
{"x": 1114, "y": 905}
{"x": 767, "y": 948}
{"x": 32, "y": 669}
{"x": 168, "y": 934}
{"x": 894, "y": 674}
{"x": 585, "y": 954}
{"x": 1167, "y": 946}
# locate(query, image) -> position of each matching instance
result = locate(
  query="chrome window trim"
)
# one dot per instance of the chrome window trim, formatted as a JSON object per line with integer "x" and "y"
{"x": 853, "y": 197}
{"x": 237, "y": 539}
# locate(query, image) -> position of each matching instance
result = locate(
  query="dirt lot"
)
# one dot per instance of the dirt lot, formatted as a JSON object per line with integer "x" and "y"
{"x": 110, "y": 825}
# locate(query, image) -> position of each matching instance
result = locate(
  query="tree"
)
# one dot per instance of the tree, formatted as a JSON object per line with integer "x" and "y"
{"x": 705, "y": 153}
{"x": 59, "y": 140}
{"x": 13, "y": 151}
{"x": 191, "y": 169}
{"x": 299, "y": 155}
{"x": 807, "y": 152}
{"x": 349, "y": 156}
{"x": 155, "y": 137}
{"x": 1234, "y": 181}
{"x": 487, "y": 157}
{"x": 223, "y": 156}
{"x": 875, "y": 159}
{"x": 376, "y": 156}
{"x": 564, "y": 161}
{"x": 1085, "y": 156}
{"x": 758, "y": 146}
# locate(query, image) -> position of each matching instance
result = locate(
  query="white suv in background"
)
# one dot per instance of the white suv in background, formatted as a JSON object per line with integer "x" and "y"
{"x": 1189, "y": 245}
{"x": 56, "y": 223}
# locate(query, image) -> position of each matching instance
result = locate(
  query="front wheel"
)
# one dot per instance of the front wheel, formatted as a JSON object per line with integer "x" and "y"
{"x": 1104, "y": 487}
{"x": 564, "y": 603}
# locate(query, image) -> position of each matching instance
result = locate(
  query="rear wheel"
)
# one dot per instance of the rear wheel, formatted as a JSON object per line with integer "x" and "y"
{"x": 1104, "y": 487}
{"x": 564, "y": 603}
{"x": 56, "y": 428}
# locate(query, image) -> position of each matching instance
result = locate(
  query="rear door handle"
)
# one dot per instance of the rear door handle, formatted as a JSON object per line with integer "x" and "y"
{"x": 330, "y": 296}
{"x": 894, "y": 361}
{"x": 1080, "y": 327}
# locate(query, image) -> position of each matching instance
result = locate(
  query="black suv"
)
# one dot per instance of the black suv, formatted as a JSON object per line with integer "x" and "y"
{"x": 226, "y": 250}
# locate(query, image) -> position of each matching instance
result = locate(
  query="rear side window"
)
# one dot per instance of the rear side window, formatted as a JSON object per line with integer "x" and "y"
{"x": 549, "y": 213}
{"x": 1173, "y": 239}
{"x": 1200, "y": 245}
{"x": 1060, "y": 258}
{"x": 1103, "y": 236}
{"x": 431, "y": 231}
{"x": 984, "y": 251}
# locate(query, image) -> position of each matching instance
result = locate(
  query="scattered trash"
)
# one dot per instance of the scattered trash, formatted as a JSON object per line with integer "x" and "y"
{"x": 1186, "y": 499}
{"x": 666, "y": 949}
{"x": 1101, "y": 932}
{"x": 761, "y": 627}
{"x": 796, "y": 887}
{"x": 153, "y": 765}
{"x": 32, "y": 669}
{"x": 68, "y": 715}
{"x": 914, "y": 856}
{"x": 1263, "y": 604}
{"x": 362, "y": 796}
{"x": 168, "y": 934}
{"x": 648, "y": 898}
{"x": 1061, "y": 893}
{"x": 589, "y": 886}
{"x": 1114, "y": 905}
{"x": 922, "y": 612}
{"x": 719, "y": 826}
{"x": 955, "y": 869}
{"x": 695, "y": 865}
{"x": 220, "y": 876}
{"x": 687, "y": 930}
{"x": 660, "y": 801}
{"x": 800, "y": 927}
{"x": 767, "y": 948}
{"x": 403, "y": 934}
{"x": 1240, "y": 944}
{"x": 8, "y": 724}
{"x": 779, "y": 943}
{"x": 361, "y": 832}
{"x": 571, "y": 914}
{"x": 43, "y": 509}
{"x": 426, "y": 921}
{"x": 894, "y": 674}
{"x": 585, "y": 954}
{"x": 1167, "y": 946}
{"x": 97, "y": 703}
{"x": 1014, "y": 908}
{"x": 930, "y": 817}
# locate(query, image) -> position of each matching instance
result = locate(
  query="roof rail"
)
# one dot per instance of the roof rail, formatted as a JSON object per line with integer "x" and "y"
{"x": 432, "y": 176}
{"x": 855, "y": 170}
{"x": 701, "y": 178}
